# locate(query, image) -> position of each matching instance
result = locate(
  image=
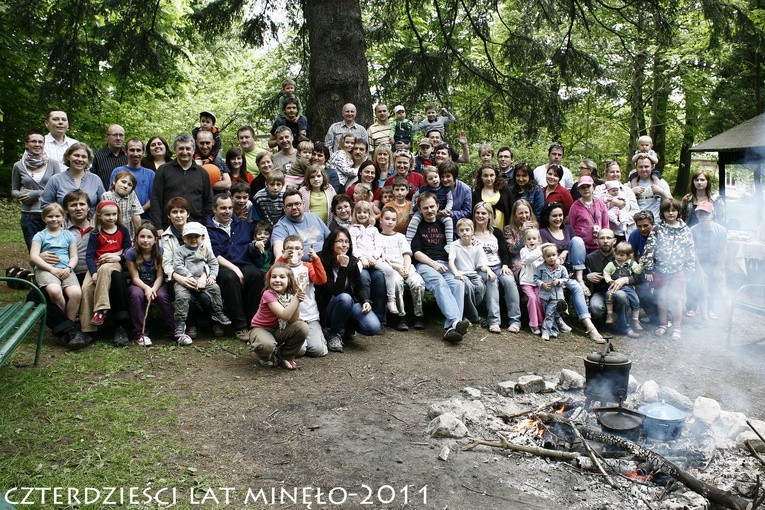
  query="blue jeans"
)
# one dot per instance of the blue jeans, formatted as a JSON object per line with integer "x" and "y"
{"x": 374, "y": 286}
{"x": 475, "y": 290}
{"x": 31, "y": 223}
{"x": 632, "y": 296}
{"x": 344, "y": 317}
{"x": 647, "y": 300}
{"x": 507, "y": 284}
{"x": 577, "y": 298}
{"x": 576, "y": 253}
{"x": 449, "y": 292}
{"x": 621, "y": 309}
{"x": 550, "y": 311}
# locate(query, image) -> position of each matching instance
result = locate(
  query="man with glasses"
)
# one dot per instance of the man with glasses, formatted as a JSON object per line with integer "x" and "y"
{"x": 296, "y": 221}
{"x": 111, "y": 156}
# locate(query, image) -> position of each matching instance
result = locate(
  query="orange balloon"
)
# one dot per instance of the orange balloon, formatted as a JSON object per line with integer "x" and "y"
{"x": 213, "y": 171}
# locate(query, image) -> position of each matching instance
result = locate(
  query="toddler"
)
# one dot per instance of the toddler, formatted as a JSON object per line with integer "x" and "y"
{"x": 194, "y": 262}
{"x": 240, "y": 197}
{"x": 623, "y": 265}
{"x": 551, "y": 278}
{"x": 296, "y": 173}
{"x": 207, "y": 123}
{"x": 268, "y": 203}
{"x": 465, "y": 260}
{"x": 399, "y": 203}
{"x": 288, "y": 91}
{"x": 433, "y": 121}
{"x": 400, "y": 259}
{"x": 123, "y": 193}
{"x": 402, "y": 129}
{"x": 486, "y": 153}
{"x": 621, "y": 220}
{"x": 645, "y": 147}
{"x": 445, "y": 203}
{"x": 531, "y": 259}
{"x": 342, "y": 161}
{"x": 262, "y": 252}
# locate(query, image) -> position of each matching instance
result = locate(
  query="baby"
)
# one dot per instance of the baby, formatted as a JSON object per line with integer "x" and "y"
{"x": 621, "y": 221}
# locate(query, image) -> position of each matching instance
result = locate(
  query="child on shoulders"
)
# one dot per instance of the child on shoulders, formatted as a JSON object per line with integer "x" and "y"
{"x": 207, "y": 123}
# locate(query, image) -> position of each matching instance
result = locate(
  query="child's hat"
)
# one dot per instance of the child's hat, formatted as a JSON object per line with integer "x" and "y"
{"x": 586, "y": 180}
{"x": 425, "y": 141}
{"x": 613, "y": 184}
{"x": 208, "y": 113}
{"x": 192, "y": 228}
{"x": 706, "y": 207}
{"x": 399, "y": 108}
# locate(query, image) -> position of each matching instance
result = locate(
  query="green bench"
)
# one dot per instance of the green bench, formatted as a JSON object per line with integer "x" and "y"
{"x": 17, "y": 319}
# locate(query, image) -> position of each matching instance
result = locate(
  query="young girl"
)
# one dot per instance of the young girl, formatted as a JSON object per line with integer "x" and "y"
{"x": 123, "y": 193}
{"x": 369, "y": 249}
{"x": 59, "y": 280}
{"x": 317, "y": 193}
{"x": 107, "y": 243}
{"x": 144, "y": 262}
{"x": 669, "y": 253}
{"x": 238, "y": 166}
{"x": 531, "y": 259}
{"x": 278, "y": 333}
{"x": 342, "y": 161}
{"x": 550, "y": 277}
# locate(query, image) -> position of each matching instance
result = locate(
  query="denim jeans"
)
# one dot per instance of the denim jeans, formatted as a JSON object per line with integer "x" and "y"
{"x": 448, "y": 291}
{"x": 550, "y": 311}
{"x": 31, "y": 223}
{"x": 374, "y": 286}
{"x": 505, "y": 283}
{"x": 577, "y": 298}
{"x": 576, "y": 253}
{"x": 475, "y": 290}
{"x": 344, "y": 317}
{"x": 621, "y": 309}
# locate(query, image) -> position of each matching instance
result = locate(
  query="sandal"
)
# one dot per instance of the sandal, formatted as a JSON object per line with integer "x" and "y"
{"x": 289, "y": 364}
{"x": 595, "y": 336}
{"x": 660, "y": 331}
{"x": 494, "y": 328}
{"x": 677, "y": 335}
{"x": 514, "y": 328}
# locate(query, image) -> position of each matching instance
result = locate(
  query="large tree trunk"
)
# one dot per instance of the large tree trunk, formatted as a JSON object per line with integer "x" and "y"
{"x": 659, "y": 108}
{"x": 692, "y": 103}
{"x": 338, "y": 69}
{"x": 637, "y": 119}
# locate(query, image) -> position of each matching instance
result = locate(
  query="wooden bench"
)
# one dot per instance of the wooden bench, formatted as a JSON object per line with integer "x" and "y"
{"x": 748, "y": 298}
{"x": 17, "y": 319}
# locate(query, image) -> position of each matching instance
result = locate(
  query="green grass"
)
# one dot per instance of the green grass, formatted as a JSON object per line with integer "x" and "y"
{"x": 10, "y": 229}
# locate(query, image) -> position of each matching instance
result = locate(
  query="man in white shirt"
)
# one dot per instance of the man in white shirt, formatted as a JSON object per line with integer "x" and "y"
{"x": 555, "y": 157}
{"x": 56, "y": 141}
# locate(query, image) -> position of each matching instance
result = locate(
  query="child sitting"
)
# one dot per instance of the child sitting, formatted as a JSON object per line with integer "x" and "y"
{"x": 207, "y": 123}
{"x": 342, "y": 161}
{"x": 296, "y": 173}
{"x": 194, "y": 262}
{"x": 531, "y": 259}
{"x": 550, "y": 277}
{"x": 623, "y": 265}
{"x": 400, "y": 259}
{"x": 445, "y": 203}
{"x": 402, "y": 130}
{"x": 262, "y": 253}
{"x": 288, "y": 91}
{"x": 123, "y": 193}
{"x": 620, "y": 219}
{"x": 59, "y": 280}
{"x": 268, "y": 203}
{"x": 645, "y": 147}
{"x": 240, "y": 197}
{"x": 399, "y": 203}
{"x": 368, "y": 248}
{"x": 317, "y": 193}
{"x": 465, "y": 260}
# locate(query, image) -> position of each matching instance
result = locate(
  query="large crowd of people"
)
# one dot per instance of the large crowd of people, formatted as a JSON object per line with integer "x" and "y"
{"x": 296, "y": 248}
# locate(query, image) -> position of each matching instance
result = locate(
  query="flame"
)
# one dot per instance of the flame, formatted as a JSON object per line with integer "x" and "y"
{"x": 530, "y": 427}
{"x": 639, "y": 475}
{"x": 561, "y": 409}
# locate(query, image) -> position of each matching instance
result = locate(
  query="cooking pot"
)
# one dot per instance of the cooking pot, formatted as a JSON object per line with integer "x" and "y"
{"x": 662, "y": 421}
{"x": 607, "y": 374}
{"x": 620, "y": 421}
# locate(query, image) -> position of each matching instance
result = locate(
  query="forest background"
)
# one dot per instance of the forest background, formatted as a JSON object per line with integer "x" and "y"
{"x": 592, "y": 74}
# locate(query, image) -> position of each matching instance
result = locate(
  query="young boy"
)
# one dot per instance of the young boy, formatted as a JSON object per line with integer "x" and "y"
{"x": 400, "y": 204}
{"x": 433, "y": 121}
{"x": 399, "y": 255}
{"x": 307, "y": 275}
{"x": 199, "y": 266}
{"x": 645, "y": 147}
{"x": 123, "y": 192}
{"x": 623, "y": 265}
{"x": 486, "y": 153}
{"x": 424, "y": 155}
{"x": 465, "y": 260}
{"x": 288, "y": 91}
{"x": 387, "y": 194}
{"x": 402, "y": 129}
{"x": 296, "y": 173}
{"x": 240, "y": 196}
{"x": 262, "y": 253}
{"x": 207, "y": 123}
{"x": 445, "y": 203}
{"x": 551, "y": 278}
{"x": 708, "y": 283}
{"x": 268, "y": 203}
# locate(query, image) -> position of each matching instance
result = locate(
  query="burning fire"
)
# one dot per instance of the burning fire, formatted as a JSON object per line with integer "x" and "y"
{"x": 530, "y": 427}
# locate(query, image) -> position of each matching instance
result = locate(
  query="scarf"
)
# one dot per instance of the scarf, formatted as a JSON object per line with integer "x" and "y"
{"x": 35, "y": 161}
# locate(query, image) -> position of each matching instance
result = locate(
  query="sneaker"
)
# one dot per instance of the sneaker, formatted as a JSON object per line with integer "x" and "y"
{"x": 494, "y": 328}
{"x": 180, "y": 329}
{"x": 545, "y": 337}
{"x": 562, "y": 326}
{"x": 349, "y": 338}
{"x": 419, "y": 323}
{"x": 98, "y": 318}
{"x": 194, "y": 333}
{"x": 453, "y": 336}
{"x": 610, "y": 318}
{"x": 270, "y": 362}
{"x": 143, "y": 341}
{"x": 184, "y": 339}
{"x": 402, "y": 325}
{"x": 462, "y": 327}
{"x": 241, "y": 334}
{"x": 536, "y": 331}
{"x": 636, "y": 325}
{"x": 121, "y": 337}
{"x": 77, "y": 340}
{"x": 335, "y": 344}
{"x": 220, "y": 318}
{"x": 514, "y": 328}
{"x": 391, "y": 306}
{"x": 632, "y": 334}
{"x": 289, "y": 364}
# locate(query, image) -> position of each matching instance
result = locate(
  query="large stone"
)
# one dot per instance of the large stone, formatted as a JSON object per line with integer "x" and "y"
{"x": 686, "y": 501}
{"x": 648, "y": 392}
{"x": 506, "y": 388}
{"x": 473, "y": 393}
{"x": 530, "y": 384}
{"x": 706, "y": 410}
{"x": 571, "y": 380}
{"x": 446, "y": 425}
{"x": 749, "y": 434}
{"x": 465, "y": 410}
{"x": 550, "y": 387}
{"x": 731, "y": 424}
{"x": 632, "y": 384}
{"x": 673, "y": 397}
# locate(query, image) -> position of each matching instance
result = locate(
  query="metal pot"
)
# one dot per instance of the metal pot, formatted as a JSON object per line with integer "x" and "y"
{"x": 620, "y": 421}
{"x": 607, "y": 375}
{"x": 662, "y": 421}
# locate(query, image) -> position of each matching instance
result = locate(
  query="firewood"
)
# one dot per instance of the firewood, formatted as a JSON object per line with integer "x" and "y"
{"x": 534, "y": 450}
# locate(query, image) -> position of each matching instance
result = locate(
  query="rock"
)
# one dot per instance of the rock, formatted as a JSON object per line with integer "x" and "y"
{"x": 473, "y": 393}
{"x": 731, "y": 424}
{"x": 571, "y": 380}
{"x": 673, "y": 397}
{"x": 506, "y": 388}
{"x": 632, "y": 384}
{"x": 706, "y": 410}
{"x": 550, "y": 386}
{"x": 446, "y": 425}
{"x": 648, "y": 392}
{"x": 530, "y": 384}
{"x": 465, "y": 410}
{"x": 686, "y": 501}
{"x": 749, "y": 434}
{"x": 444, "y": 455}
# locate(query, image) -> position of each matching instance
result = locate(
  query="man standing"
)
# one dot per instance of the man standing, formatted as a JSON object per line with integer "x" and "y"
{"x": 246, "y": 137}
{"x": 505, "y": 163}
{"x": 554, "y": 157}
{"x": 348, "y": 124}
{"x": 205, "y": 142}
{"x": 649, "y": 193}
{"x": 284, "y": 159}
{"x": 595, "y": 263}
{"x": 144, "y": 176}
{"x": 56, "y": 141}
{"x": 111, "y": 156}
{"x": 379, "y": 132}
{"x": 241, "y": 283}
{"x": 181, "y": 178}
{"x": 296, "y": 221}
{"x": 298, "y": 124}
{"x": 429, "y": 250}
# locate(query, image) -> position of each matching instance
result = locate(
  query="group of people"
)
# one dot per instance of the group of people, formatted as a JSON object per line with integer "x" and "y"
{"x": 298, "y": 249}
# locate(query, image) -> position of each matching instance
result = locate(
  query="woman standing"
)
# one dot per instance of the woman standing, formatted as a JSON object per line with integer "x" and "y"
{"x": 527, "y": 187}
{"x": 382, "y": 157}
{"x": 265, "y": 165}
{"x": 554, "y": 191}
{"x": 490, "y": 187}
{"x": 237, "y": 166}
{"x": 28, "y": 179}
{"x": 158, "y": 153}
{"x": 493, "y": 243}
{"x": 587, "y": 167}
{"x": 700, "y": 191}
{"x": 78, "y": 158}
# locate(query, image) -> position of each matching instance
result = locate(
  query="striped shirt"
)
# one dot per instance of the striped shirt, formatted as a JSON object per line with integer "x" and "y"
{"x": 104, "y": 162}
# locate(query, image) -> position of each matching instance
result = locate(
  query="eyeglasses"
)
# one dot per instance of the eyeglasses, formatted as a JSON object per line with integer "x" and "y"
{"x": 293, "y": 205}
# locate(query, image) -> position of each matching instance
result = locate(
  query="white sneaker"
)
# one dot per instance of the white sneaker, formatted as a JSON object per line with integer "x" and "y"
{"x": 143, "y": 341}
{"x": 563, "y": 327}
{"x": 184, "y": 339}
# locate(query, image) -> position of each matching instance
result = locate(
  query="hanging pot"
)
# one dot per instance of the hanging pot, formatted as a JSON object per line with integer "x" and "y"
{"x": 607, "y": 374}
{"x": 662, "y": 421}
{"x": 620, "y": 421}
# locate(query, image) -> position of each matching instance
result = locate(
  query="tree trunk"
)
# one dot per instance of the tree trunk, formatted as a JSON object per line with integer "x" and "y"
{"x": 338, "y": 69}
{"x": 637, "y": 121}
{"x": 692, "y": 102}
{"x": 659, "y": 108}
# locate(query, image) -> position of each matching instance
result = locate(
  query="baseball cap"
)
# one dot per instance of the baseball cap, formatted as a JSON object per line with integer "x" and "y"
{"x": 584, "y": 181}
{"x": 208, "y": 113}
{"x": 706, "y": 207}
{"x": 399, "y": 108}
{"x": 192, "y": 228}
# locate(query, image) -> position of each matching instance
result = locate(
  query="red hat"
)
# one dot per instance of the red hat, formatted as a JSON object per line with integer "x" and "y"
{"x": 706, "y": 207}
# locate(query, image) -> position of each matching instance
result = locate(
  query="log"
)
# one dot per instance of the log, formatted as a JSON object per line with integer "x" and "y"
{"x": 534, "y": 450}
